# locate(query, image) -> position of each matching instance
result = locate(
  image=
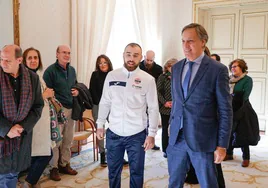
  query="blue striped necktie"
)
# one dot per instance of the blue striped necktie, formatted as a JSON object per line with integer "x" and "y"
{"x": 187, "y": 79}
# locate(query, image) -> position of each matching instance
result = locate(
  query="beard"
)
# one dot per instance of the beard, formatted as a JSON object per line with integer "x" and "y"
{"x": 130, "y": 65}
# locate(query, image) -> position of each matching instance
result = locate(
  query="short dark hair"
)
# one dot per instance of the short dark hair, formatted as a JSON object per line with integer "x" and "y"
{"x": 25, "y": 54}
{"x": 133, "y": 44}
{"x": 107, "y": 59}
{"x": 241, "y": 63}
{"x": 218, "y": 58}
{"x": 200, "y": 30}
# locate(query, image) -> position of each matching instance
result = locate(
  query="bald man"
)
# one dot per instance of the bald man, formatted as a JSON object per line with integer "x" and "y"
{"x": 61, "y": 77}
{"x": 148, "y": 65}
{"x": 20, "y": 108}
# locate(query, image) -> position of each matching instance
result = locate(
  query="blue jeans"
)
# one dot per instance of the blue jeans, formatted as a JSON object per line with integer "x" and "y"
{"x": 116, "y": 146}
{"x": 38, "y": 165}
{"x": 9, "y": 180}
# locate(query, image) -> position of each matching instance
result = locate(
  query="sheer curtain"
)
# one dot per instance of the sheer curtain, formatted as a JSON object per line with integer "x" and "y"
{"x": 149, "y": 26}
{"x": 91, "y": 26}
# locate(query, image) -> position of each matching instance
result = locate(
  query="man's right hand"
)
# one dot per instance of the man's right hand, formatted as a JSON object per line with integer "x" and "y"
{"x": 15, "y": 131}
{"x": 100, "y": 133}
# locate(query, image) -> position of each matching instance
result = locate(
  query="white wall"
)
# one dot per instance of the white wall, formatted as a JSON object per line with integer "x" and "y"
{"x": 6, "y": 23}
{"x": 45, "y": 24}
{"x": 175, "y": 15}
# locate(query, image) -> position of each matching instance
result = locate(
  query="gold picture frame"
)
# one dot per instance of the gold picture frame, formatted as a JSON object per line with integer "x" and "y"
{"x": 16, "y": 25}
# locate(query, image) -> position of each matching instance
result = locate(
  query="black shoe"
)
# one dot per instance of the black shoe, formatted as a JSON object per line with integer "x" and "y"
{"x": 156, "y": 147}
{"x": 125, "y": 162}
{"x": 103, "y": 162}
{"x": 165, "y": 155}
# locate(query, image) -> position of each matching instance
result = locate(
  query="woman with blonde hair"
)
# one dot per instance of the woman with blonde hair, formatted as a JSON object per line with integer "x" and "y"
{"x": 165, "y": 100}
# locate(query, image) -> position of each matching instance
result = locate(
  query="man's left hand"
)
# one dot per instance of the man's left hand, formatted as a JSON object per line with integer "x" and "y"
{"x": 219, "y": 154}
{"x": 149, "y": 143}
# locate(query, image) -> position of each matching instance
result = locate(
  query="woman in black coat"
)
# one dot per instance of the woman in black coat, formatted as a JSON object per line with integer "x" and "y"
{"x": 103, "y": 66}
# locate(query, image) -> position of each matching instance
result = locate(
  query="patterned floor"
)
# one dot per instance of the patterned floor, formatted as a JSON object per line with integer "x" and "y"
{"x": 91, "y": 175}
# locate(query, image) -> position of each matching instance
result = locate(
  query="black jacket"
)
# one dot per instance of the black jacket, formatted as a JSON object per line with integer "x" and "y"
{"x": 21, "y": 160}
{"x": 82, "y": 102}
{"x": 156, "y": 70}
{"x": 246, "y": 126}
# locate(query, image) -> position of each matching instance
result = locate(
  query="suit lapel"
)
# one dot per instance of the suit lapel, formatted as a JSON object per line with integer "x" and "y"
{"x": 200, "y": 73}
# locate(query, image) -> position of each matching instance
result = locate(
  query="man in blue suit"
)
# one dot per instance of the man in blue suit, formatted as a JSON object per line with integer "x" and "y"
{"x": 201, "y": 115}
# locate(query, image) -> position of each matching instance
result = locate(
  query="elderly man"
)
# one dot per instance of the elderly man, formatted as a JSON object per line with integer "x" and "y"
{"x": 201, "y": 114}
{"x": 127, "y": 94}
{"x": 61, "y": 77}
{"x": 20, "y": 108}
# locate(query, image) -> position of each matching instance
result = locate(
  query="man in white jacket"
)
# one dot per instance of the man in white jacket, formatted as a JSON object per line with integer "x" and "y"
{"x": 128, "y": 92}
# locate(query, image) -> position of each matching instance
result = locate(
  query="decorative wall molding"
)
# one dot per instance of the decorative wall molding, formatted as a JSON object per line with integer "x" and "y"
{"x": 259, "y": 85}
{"x": 257, "y": 63}
{"x": 16, "y": 7}
{"x": 247, "y": 33}
{"x": 225, "y": 41}
{"x": 207, "y": 4}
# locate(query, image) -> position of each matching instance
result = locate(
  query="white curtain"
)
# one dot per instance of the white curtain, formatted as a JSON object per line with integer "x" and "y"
{"x": 149, "y": 26}
{"x": 91, "y": 27}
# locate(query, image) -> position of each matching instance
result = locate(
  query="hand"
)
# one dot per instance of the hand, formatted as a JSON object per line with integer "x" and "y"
{"x": 168, "y": 104}
{"x": 100, "y": 133}
{"x": 15, "y": 131}
{"x": 48, "y": 93}
{"x": 219, "y": 154}
{"x": 74, "y": 92}
{"x": 149, "y": 143}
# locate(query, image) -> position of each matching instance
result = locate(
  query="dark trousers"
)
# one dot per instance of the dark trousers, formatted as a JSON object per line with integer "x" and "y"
{"x": 116, "y": 146}
{"x": 179, "y": 158}
{"x": 165, "y": 137}
{"x": 245, "y": 150}
{"x": 38, "y": 165}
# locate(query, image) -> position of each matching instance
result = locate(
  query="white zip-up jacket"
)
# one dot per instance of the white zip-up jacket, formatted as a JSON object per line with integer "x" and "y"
{"x": 127, "y": 98}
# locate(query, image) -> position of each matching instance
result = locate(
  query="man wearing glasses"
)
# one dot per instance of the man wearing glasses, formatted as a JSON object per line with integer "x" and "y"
{"x": 61, "y": 77}
{"x": 20, "y": 108}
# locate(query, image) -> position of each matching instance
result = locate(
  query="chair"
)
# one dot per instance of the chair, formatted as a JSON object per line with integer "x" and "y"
{"x": 85, "y": 129}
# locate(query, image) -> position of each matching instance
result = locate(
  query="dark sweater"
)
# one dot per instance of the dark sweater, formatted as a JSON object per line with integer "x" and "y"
{"x": 96, "y": 85}
{"x": 155, "y": 71}
{"x": 244, "y": 85}
{"x": 61, "y": 81}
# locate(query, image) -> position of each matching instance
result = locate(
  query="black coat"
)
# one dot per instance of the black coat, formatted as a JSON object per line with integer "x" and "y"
{"x": 246, "y": 126}
{"x": 156, "y": 70}
{"x": 21, "y": 160}
{"x": 82, "y": 102}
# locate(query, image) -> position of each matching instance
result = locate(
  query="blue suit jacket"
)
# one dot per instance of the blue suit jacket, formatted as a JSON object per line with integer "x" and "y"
{"x": 206, "y": 111}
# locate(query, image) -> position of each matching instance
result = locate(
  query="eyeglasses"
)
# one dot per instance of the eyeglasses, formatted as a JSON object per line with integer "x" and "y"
{"x": 7, "y": 61}
{"x": 65, "y": 53}
{"x": 233, "y": 67}
{"x": 103, "y": 63}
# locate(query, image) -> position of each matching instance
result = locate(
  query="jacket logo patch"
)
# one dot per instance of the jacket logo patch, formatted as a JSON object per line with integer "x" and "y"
{"x": 136, "y": 87}
{"x": 117, "y": 83}
{"x": 137, "y": 80}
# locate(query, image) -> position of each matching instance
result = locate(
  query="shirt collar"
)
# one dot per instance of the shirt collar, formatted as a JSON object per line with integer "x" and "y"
{"x": 197, "y": 60}
{"x": 130, "y": 72}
